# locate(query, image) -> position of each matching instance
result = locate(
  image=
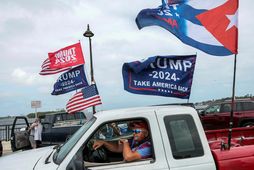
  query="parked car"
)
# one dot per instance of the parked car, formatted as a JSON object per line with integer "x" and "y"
{"x": 57, "y": 128}
{"x": 178, "y": 142}
{"x": 200, "y": 108}
{"x": 217, "y": 115}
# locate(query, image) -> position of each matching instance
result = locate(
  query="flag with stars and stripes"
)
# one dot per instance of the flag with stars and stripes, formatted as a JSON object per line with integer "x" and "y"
{"x": 83, "y": 99}
{"x": 46, "y": 70}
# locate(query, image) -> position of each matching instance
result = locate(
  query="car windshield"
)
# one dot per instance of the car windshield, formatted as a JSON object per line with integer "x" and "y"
{"x": 213, "y": 109}
{"x": 64, "y": 149}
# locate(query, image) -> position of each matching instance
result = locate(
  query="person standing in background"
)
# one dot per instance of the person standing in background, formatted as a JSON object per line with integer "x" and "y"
{"x": 35, "y": 133}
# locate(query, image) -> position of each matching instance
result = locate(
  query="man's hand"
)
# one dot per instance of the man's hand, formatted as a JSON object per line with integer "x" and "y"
{"x": 122, "y": 141}
{"x": 97, "y": 144}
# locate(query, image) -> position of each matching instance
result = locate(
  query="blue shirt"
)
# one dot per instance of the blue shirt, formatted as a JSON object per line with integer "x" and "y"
{"x": 144, "y": 149}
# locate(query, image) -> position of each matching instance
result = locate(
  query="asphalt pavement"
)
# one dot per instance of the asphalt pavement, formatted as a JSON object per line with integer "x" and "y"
{"x": 6, "y": 147}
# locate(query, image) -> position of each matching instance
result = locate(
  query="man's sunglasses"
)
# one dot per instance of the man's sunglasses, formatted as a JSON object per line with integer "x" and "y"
{"x": 136, "y": 131}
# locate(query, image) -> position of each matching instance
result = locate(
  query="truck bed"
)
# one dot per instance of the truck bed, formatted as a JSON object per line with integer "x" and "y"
{"x": 240, "y": 137}
{"x": 241, "y": 154}
{"x": 237, "y": 158}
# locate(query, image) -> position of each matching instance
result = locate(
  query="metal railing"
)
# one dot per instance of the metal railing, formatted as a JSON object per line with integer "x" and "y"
{"x": 5, "y": 130}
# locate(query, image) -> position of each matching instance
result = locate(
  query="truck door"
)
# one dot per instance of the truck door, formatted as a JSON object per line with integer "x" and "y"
{"x": 157, "y": 161}
{"x": 185, "y": 145}
{"x": 19, "y": 134}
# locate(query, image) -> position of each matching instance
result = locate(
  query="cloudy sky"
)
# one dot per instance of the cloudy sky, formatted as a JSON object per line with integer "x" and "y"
{"x": 30, "y": 29}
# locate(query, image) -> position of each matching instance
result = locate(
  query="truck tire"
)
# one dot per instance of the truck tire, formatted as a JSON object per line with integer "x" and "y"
{"x": 248, "y": 124}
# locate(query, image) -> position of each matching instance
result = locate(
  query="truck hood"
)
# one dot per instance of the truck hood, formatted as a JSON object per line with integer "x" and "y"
{"x": 23, "y": 160}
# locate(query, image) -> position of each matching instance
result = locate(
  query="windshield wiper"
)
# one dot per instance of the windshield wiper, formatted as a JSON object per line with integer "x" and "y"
{"x": 57, "y": 147}
{"x": 47, "y": 159}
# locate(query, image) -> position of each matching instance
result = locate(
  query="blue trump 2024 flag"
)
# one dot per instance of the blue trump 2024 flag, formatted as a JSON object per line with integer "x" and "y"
{"x": 208, "y": 25}
{"x": 71, "y": 80}
{"x": 169, "y": 76}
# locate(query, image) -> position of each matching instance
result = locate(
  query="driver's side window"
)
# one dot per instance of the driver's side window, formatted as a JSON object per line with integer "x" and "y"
{"x": 109, "y": 139}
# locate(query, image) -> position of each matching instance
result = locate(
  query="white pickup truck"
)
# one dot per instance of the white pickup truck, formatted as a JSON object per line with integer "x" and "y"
{"x": 178, "y": 143}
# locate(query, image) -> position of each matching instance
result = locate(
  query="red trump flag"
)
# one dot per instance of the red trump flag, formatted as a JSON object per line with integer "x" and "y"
{"x": 66, "y": 57}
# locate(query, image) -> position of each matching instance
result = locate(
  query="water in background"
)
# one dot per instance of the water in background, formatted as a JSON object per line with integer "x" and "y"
{"x": 8, "y": 122}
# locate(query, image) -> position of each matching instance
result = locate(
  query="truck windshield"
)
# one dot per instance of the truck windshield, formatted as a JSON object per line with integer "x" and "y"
{"x": 64, "y": 149}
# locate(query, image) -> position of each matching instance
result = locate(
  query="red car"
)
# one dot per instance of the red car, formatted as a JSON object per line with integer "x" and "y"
{"x": 217, "y": 115}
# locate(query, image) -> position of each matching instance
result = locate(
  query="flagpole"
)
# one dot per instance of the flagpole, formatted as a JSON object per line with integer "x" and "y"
{"x": 188, "y": 101}
{"x": 231, "y": 120}
{"x": 89, "y": 34}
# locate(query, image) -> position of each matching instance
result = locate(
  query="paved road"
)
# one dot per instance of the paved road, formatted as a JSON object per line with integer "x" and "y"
{"x": 6, "y": 148}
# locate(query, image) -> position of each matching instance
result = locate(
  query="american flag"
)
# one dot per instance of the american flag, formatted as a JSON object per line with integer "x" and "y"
{"x": 45, "y": 70}
{"x": 87, "y": 97}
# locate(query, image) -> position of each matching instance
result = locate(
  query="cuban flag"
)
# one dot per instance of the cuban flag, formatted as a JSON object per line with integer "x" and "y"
{"x": 208, "y": 25}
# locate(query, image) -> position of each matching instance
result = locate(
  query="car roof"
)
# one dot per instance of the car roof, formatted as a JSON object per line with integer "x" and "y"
{"x": 61, "y": 113}
{"x": 133, "y": 111}
{"x": 237, "y": 100}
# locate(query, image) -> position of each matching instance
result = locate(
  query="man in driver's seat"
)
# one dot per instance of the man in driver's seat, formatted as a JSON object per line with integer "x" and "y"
{"x": 139, "y": 147}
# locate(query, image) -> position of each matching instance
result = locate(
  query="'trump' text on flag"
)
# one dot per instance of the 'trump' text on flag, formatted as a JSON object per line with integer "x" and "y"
{"x": 208, "y": 25}
{"x": 71, "y": 80}
{"x": 67, "y": 57}
{"x": 169, "y": 76}
{"x": 87, "y": 97}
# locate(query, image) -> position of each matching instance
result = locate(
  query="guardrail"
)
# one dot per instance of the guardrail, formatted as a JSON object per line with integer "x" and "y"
{"x": 5, "y": 131}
